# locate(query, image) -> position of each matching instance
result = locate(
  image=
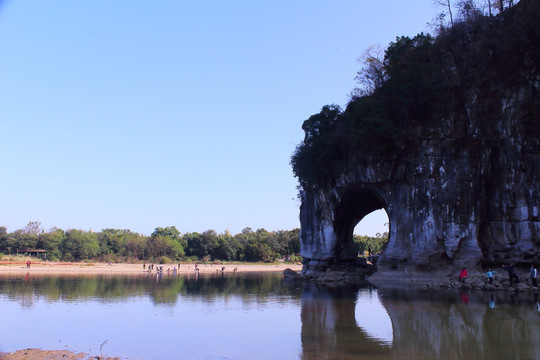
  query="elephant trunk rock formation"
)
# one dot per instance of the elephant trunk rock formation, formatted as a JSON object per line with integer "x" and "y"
{"x": 463, "y": 192}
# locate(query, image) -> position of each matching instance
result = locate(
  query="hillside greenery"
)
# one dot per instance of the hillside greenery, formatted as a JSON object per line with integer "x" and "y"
{"x": 418, "y": 86}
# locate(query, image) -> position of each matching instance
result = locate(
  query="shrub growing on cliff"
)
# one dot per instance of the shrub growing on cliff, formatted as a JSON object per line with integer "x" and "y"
{"x": 420, "y": 89}
{"x": 375, "y": 124}
{"x": 321, "y": 146}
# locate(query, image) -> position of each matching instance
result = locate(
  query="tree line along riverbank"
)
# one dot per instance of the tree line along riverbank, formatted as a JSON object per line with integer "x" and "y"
{"x": 164, "y": 245}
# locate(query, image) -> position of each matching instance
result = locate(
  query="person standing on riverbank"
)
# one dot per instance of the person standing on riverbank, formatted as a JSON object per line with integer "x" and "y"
{"x": 463, "y": 274}
{"x": 511, "y": 274}
{"x": 489, "y": 276}
{"x": 533, "y": 274}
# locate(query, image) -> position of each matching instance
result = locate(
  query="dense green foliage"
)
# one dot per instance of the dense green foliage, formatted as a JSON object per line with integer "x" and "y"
{"x": 163, "y": 245}
{"x": 419, "y": 85}
{"x": 366, "y": 243}
{"x": 373, "y": 124}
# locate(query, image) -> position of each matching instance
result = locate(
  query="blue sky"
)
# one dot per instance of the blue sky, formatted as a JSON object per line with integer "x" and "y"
{"x": 139, "y": 114}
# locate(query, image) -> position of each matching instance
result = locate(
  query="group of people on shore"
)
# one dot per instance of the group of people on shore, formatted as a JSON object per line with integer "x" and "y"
{"x": 533, "y": 274}
{"x": 175, "y": 270}
{"x": 160, "y": 269}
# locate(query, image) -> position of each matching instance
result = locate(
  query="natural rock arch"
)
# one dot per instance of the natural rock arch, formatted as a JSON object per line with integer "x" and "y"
{"x": 328, "y": 219}
{"x": 460, "y": 177}
{"x": 447, "y": 206}
{"x": 355, "y": 204}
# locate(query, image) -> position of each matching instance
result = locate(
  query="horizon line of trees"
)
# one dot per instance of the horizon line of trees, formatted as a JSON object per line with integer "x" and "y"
{"x": 164, "y": 245}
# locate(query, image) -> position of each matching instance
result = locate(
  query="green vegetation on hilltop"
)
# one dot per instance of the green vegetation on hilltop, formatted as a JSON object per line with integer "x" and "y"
{"x": 419, "y": 86}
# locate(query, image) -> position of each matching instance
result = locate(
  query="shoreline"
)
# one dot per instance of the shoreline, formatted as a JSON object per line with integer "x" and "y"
{"x": 45, "y": 268}
{"x": 40, "y": 354}
{"x": 67, "y": 268}
{"x": 445, "y": 280}
{"x": 381, "y": 278}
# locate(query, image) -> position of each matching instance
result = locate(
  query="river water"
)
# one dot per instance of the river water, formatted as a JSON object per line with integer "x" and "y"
{"x": 258, "y": 316}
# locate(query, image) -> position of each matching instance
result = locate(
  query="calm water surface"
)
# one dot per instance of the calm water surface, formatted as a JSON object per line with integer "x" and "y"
{"x": 258, "y": 316}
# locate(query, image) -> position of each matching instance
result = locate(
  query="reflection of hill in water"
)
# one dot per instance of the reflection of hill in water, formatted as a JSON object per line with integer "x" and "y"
{"x": 329, "y": 327}
{"x": 436, "y": 325}
{"x": 440, "y": 325}
{"x": 426, "y": 325}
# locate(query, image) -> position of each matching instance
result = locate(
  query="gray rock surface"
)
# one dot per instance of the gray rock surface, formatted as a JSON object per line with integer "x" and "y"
{"x": 465, "y": 193}
{"x": 446, "y": 205}
{"x": 290, "y": 275}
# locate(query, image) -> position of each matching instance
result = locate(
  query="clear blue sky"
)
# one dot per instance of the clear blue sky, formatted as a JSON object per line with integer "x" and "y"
{"x": 139, "y": 114}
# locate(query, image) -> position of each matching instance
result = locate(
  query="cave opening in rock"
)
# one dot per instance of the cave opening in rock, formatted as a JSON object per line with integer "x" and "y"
{"x": 360, "y": 212}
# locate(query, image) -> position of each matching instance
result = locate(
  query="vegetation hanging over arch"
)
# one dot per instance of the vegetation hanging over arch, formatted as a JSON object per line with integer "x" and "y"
{"x": 415, "y": 88}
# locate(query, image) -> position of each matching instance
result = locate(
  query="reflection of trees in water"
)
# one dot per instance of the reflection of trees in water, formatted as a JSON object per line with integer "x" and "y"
{"x": 162, "y": 289}
{"x": 426, "y": 325}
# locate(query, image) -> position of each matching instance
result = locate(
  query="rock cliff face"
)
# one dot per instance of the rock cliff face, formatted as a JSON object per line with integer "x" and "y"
{"x": 466, "y": 192}
{"x": 446, "y": 203}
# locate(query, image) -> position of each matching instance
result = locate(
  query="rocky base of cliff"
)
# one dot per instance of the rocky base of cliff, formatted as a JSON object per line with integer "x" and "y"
{"x": 444, "y": 280}
{"x": 326, "y": 272}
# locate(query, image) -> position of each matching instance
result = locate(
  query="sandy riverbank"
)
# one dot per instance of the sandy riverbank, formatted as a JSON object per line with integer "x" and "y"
{"x": 10, "y": 267}
{"x": 39, "y": 354}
